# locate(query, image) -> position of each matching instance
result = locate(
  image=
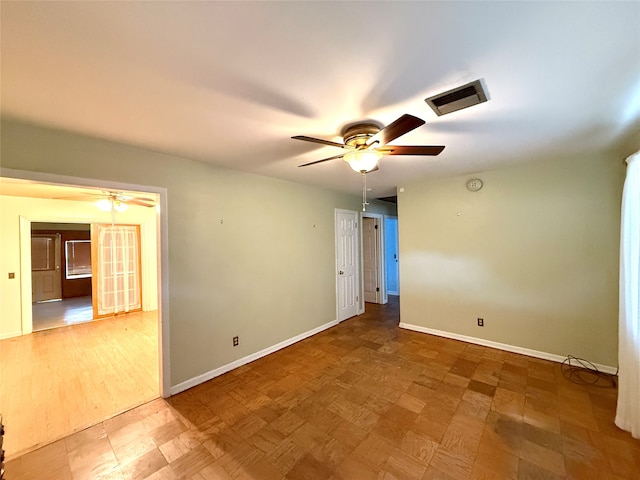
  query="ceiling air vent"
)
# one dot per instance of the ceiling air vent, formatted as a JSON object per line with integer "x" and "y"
{"x": 458, "y": 98}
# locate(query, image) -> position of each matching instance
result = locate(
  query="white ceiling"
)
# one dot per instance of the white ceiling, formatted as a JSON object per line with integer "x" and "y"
{"x": 18, "y": 187}
{"x": 230, "y": 82}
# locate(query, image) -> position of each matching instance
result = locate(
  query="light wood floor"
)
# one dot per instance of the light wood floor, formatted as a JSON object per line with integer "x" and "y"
{"x": 363, "y": 400}
{"x": 69, "y": 311}
{"x": 56, "y": 382}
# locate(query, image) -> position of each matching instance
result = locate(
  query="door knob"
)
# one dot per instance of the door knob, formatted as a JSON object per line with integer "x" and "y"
{"x": 341, "y": 272}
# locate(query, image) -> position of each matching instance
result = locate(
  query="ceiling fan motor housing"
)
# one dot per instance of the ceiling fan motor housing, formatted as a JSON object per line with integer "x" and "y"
{"x": 357, "y": 135}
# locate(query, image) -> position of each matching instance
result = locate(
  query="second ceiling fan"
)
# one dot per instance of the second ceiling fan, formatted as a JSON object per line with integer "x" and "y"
{"x": 366, "y": 143}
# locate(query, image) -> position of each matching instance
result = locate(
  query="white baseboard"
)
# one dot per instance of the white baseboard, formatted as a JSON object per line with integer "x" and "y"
{"x": 500, "y": 346}
{"x": 4, "y": 336}
{"x": 192, "y": 382}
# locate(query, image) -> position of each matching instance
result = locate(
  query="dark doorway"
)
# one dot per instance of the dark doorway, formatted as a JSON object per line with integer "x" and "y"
{"x": 71, "y": 270}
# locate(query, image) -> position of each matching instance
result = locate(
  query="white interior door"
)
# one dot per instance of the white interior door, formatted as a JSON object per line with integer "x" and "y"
{"x": 45, "y": 267}
{"x": 347, "y": 265}
{"x": 370, "y": 267}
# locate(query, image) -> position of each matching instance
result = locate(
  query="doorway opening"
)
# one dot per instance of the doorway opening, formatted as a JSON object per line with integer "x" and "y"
{"x": 380, "y": 258}
{"x": 61, "y": 275}
{"x": 79, "y": 350}
{"x": 391, "y": 256}
{"x": 372, "y": 267}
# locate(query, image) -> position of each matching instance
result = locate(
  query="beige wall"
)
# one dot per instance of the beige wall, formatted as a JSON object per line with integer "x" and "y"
{"x": 248, "y": 255}
{"x": 534, "y": 253}
{"x": 630, "y": 146}
{"x": 42, "y": 210}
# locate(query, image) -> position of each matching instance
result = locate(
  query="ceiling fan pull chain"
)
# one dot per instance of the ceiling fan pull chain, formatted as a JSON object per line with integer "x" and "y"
{"x": 364, "y": 192}
{"x": 113, "y": 211}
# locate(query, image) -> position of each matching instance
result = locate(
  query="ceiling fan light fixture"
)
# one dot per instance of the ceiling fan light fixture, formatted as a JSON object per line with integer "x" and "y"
{"x": 363, "y": 160}
{"x": 104, "y": 204}
{"x": 108, "y": 204}
{"x": 118, "y": 206}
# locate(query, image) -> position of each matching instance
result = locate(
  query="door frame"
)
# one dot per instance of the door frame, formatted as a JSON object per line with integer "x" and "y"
{"x": 358, "y": 255}
{"x": 162, "y": 239}
{"x": 381, "y": 296}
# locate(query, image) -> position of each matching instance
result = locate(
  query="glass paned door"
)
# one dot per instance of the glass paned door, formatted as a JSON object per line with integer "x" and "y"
{"x": 117, "y": 279}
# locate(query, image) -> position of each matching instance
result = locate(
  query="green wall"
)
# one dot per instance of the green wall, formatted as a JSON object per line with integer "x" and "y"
{"x": 249, "y": 256}
{"x": 534, "y": 253}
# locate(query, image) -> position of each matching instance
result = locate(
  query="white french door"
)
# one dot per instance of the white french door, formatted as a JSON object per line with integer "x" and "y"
{"x": 116, "y": 265}
{"x": 347, "y": 264}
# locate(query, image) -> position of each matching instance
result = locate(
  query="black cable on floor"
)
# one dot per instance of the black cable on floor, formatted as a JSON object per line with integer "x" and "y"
{"x": 583, "y": 372}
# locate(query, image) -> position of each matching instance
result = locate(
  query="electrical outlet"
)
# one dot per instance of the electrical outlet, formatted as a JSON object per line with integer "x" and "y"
{"x": 235, "y": 341}
{"x": 481, "y": 322}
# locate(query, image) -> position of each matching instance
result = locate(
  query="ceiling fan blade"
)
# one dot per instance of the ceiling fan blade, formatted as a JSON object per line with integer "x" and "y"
{"x": 125, "y": 197}
{"x": 143, "y": 202}
{"x": 411, "y": 150}
{"x": 82, "y": 197}
{"x": 320, "y": 161}
{"x": 144, "y": 199}
{"x": 319, "y": 140}
{"x": 395, "y": 129}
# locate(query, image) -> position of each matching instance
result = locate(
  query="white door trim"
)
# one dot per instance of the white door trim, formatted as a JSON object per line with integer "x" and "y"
{"x": 382, "y": 294}
{"x": 25, "y": 275}
{"x": 162, "y": 236}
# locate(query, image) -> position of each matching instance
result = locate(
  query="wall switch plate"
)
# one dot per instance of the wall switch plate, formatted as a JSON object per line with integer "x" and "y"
{"x": 481, "y": 322}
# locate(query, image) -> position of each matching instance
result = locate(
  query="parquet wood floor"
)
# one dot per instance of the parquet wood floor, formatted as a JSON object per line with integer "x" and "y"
{"x": 363, "y": 400}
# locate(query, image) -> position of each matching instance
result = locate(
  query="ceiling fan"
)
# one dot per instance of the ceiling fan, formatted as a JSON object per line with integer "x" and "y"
{"x": 110, "y": 200}
{"x": 366, "y": 143}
